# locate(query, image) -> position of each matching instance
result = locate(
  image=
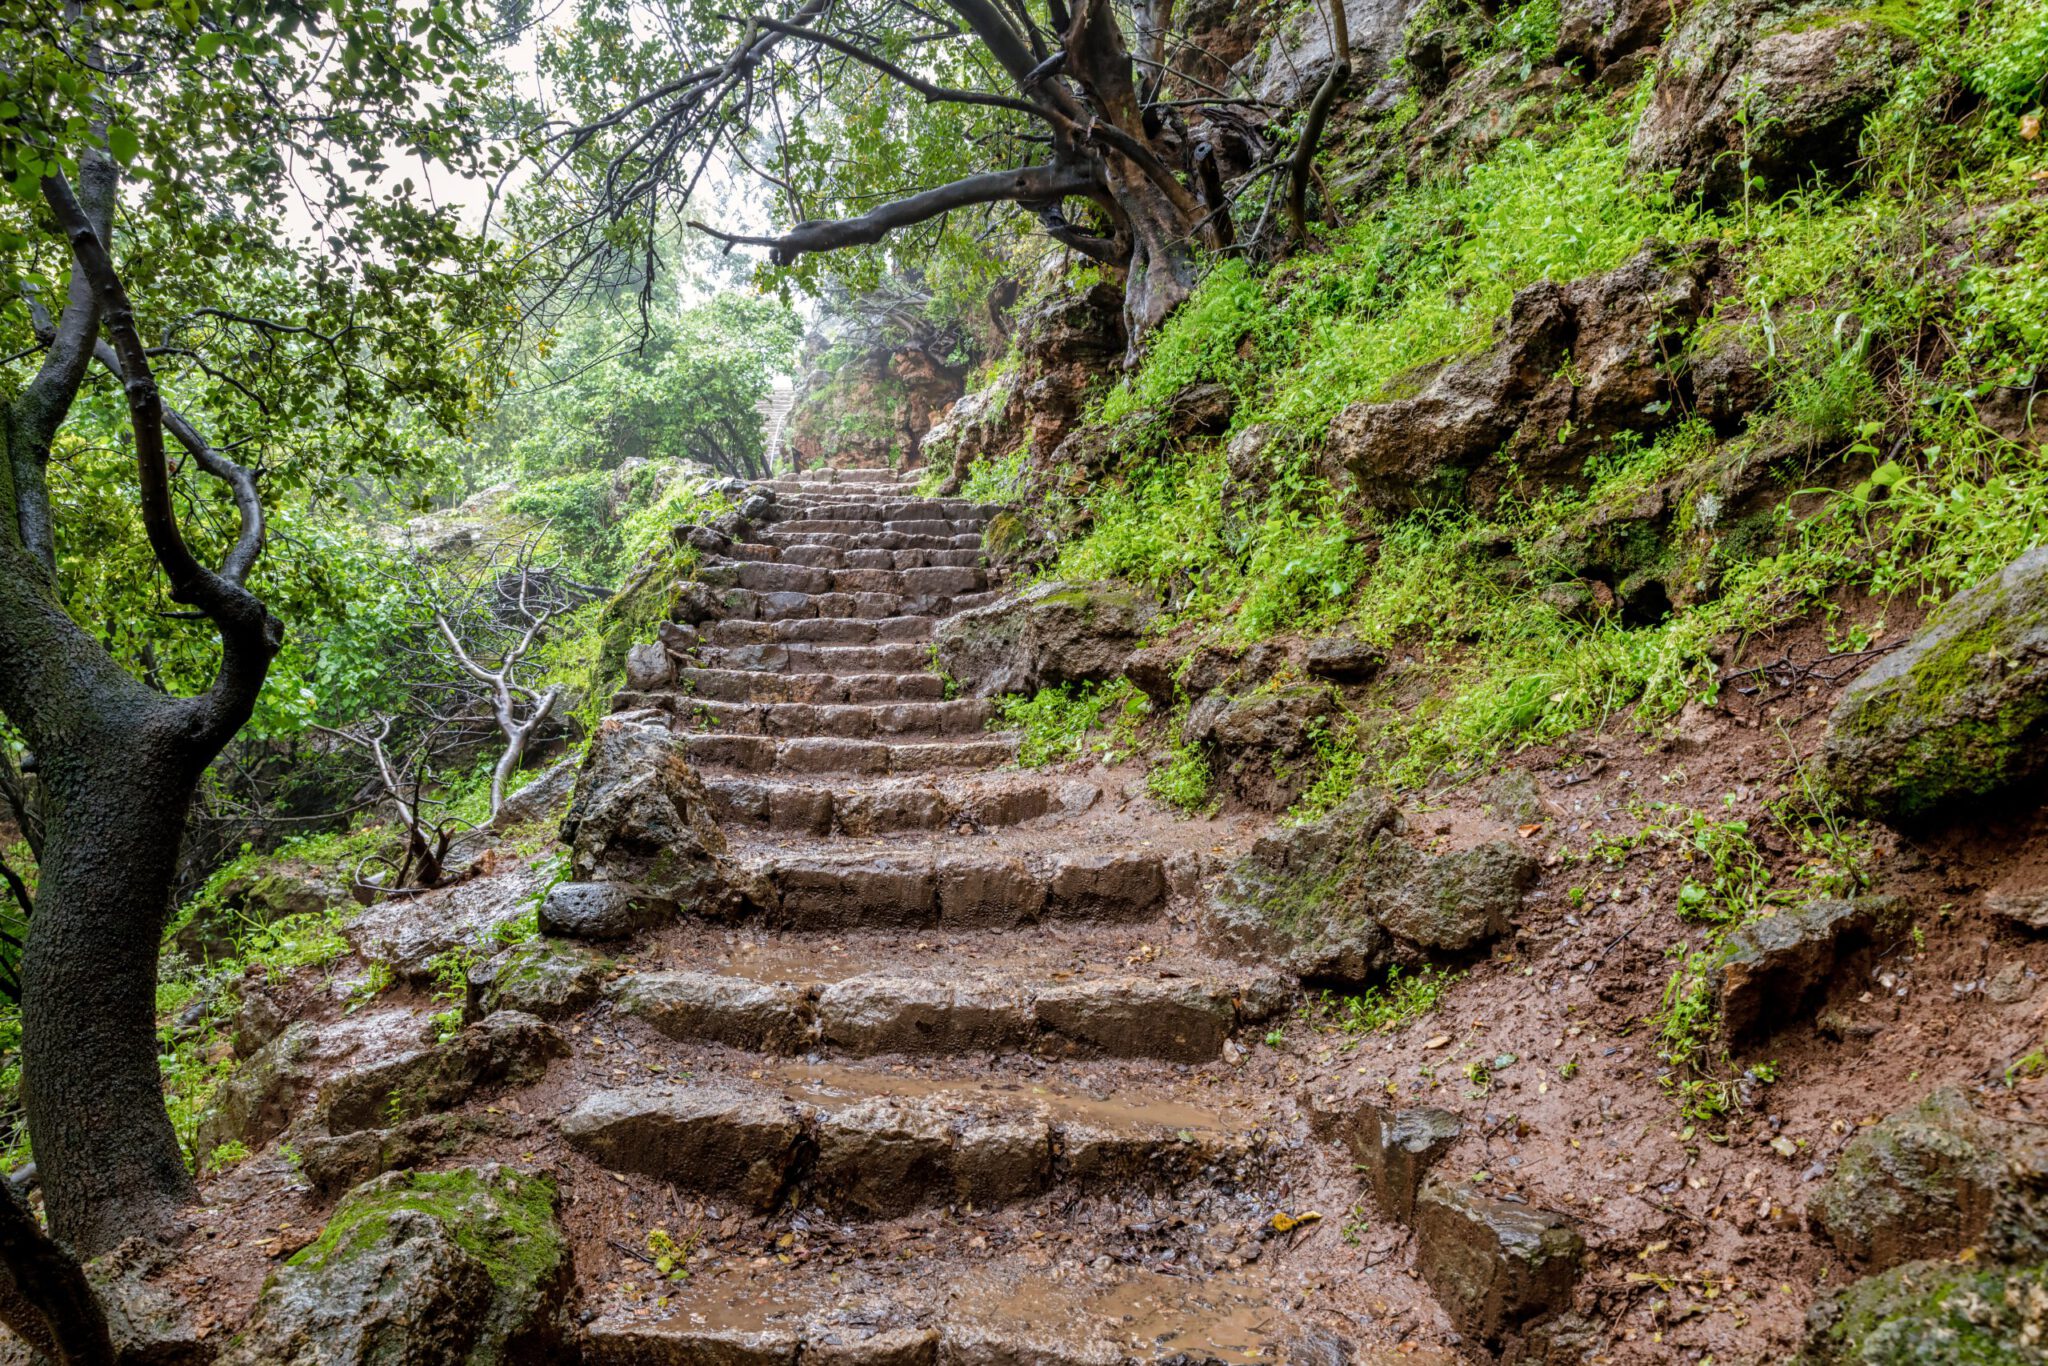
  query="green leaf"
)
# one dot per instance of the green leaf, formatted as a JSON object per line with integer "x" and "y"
{"x": 123, "y": 143}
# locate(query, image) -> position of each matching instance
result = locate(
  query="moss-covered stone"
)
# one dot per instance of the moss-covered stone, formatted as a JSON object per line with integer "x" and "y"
{"x": 1928, "y": 1311}
{"x": 1345, "y": 897}
{"x": 545, "y": 978}
{"x": 1959, "y": 713}
{"x": 457, "y": 1268}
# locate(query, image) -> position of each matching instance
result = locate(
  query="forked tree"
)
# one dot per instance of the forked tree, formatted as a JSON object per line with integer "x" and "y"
{"x": 171, "y": 134}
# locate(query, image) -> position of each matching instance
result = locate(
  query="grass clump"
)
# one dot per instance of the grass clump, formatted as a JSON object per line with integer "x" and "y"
{"x": 1396, "y": 1003}
{"x": 1075, "y": 721}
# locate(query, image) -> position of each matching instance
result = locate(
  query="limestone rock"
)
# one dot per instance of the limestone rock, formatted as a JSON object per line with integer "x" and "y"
{"x": 1051, "y": 634}
{"x": 1289, "y": 68}
{"x": 1786, "y": 83}
{"x": 641, "y": 818}
{"x": 1492, "y": 1264}
{"x": 545, "y": 978}
{"x": 1343, "y": 898}
{"x": 598, "y": 911}
{"x": 506, "y": 1047}
{"x": 544, "y": 794}
{"x": 1262, "y": 745}
{"x": 1932, "y": 1180}
{"x": 1393, "y": 1149}
{"x": 1600, "y": 32}
{"x": 1774, "y": 968}
{"x": 1618, "y": 330}
{"x": 1957, "y": 714}
{"x": 459, "y": 1268}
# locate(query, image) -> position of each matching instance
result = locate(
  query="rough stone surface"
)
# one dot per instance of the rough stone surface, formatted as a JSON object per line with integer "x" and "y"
{"x": 598, "y": 911}
{"x": 1132, "y": 1018}
{"x": 459, "y": 1268}
{"x": 641, "y": 818}
{"x": 1392, "y": 1148}
{"x": 1262, "y": 745}
{"x": 1619, "y": 331}
{"x": 888, "y": 1155}
{"x": 1493, "y": 1265}
{"x": 718, "y": 1009}
{"x": 1289, "y": 69}
{"x": 1785, "y": 83}
{"x": 696, "y": 1136}
{"x": 1774, "y": 968}
{"x": 1599, "y": 32}
{"x": 1957, "y": 714}
{"x": 1051, "y": 634}
{"x": 545, "y": 978}
{"x": 506, "y": 1047}
{"x": 1342, "y": 898}
{"x": 338, "y": 1161}
{"x": 1932, "y": 1180}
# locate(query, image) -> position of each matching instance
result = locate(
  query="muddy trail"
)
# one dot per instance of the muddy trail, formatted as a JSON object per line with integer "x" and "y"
{"x": 971, "y": 1069}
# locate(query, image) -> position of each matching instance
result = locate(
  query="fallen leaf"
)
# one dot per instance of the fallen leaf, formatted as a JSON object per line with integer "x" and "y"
{"x": 1287, "y": 1223}
{"x": 1438, "y": 1042}
{"x": 1528, "y": 831}
{"x": 1784, "y": 1147}
{"x": 2030, "y": 126}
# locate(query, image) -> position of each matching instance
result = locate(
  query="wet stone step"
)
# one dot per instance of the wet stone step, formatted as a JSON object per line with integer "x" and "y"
{"x": 909, "y": 526}
{"x": 835, "y": 557}
{"x": 902, "y": 657}
{"x": 1178, "y": 1019}
{"x": 766, "y": 754}
{"x": 845, "y": 630}
{"x": 852, "y": 721}
{"x": 783, "y": 577}
{"x": 992, "y": 1311}
{"x": 750, "y": 685}
{"x": 964, "y": 890}
{"x": 872, "y": 1146}
{"x": 825, "y": 809}
{"x": 868, "y": 540}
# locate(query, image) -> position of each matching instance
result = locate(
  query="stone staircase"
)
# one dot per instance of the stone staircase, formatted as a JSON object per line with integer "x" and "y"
{"x": 973, "y": 1086}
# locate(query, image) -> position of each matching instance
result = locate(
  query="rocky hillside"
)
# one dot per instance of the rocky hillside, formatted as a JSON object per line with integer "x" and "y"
{"x": 1474, "y": 796}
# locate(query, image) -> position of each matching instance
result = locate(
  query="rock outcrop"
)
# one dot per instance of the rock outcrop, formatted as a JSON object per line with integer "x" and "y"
{"x": 642, "y": 820}
{"x": 1520, "y": 397}
{"x": 1957, "y": 714}
{"x": 1049, "y": 635}
{"x": 1342, "y": 899}
{"x": 1784, "y": 87}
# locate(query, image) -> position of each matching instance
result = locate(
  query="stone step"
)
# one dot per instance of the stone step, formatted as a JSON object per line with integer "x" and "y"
{"x": 908, "y": 526}
{"x": 876, "y": 1145}
{"x": 746, "y": 604}
{"x": 847, "y": 721}
{"x": 883, "y": 510}
{"x": 992, "y": 1309}
{"x": 903, "y": 657}
{"x": 834, "y": 557}
{"x": 965, "y": 890}
{"x": 864, "y": 809}
{"x": 780, "y": 577}
{"x": 846, "y": 630}
{"x": 868, "y": 540}
{"x": 986, "y": 1010}
{"x": 768, "y": 754}
{"x": 828, "y": 479}
{"x": 759, "y": 685}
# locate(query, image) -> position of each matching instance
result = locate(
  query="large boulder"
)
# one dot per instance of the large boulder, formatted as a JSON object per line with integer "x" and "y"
{"x": 1934, "y": 1179}
{"x": 1616, "y": 330}
{"x": 1783, "y": 86}
{"x": 1957, "y": 714}
{"x": 1051, "y": 634}
{"x": 458, "y": 1268}
{"x": 1288, "y": 67}
{"x": 1602, "y": 32}
{"x": 1925, "y": 1312}
{"x": 1494, "y": 1265}
{"x": 1343, "y": 898}
{"x": 641, "y": 818}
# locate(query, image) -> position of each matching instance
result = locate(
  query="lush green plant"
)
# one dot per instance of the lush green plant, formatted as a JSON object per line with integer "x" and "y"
{"x": 1074, "y": 720}
{"x": 1396, "y": 1003}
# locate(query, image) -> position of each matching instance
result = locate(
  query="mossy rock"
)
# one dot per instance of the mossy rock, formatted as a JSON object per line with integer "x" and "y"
{"x": 1956, "y": 715}
{"x": 1925, "y": 1312}
{"x": 1006, "y": 539}
{"x": 1344, "y": 898}
{"x": 467, "y": 1267}
{"x": 545, "y": 978}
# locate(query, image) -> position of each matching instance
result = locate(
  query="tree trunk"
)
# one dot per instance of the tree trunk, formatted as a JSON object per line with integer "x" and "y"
{"x": 118, "y": 764}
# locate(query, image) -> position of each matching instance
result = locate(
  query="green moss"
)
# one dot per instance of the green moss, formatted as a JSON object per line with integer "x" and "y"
{"x": 1897, "y": 16}
{"x": 1936, "y": 1311}
{"x": 503, "y": 1218}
